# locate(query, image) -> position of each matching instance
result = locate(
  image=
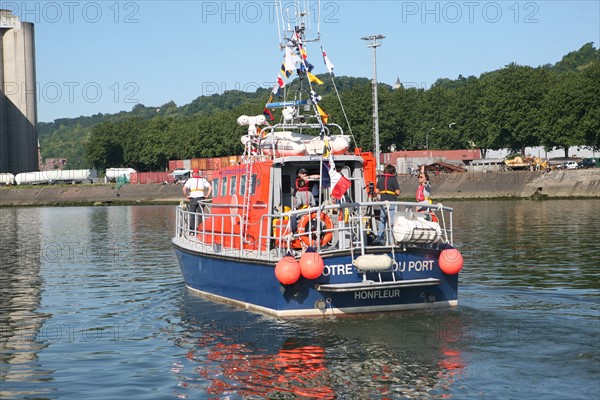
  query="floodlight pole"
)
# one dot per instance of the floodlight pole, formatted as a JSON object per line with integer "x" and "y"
{"x": 427, "y": 138}
{"x": 374, "y": 41}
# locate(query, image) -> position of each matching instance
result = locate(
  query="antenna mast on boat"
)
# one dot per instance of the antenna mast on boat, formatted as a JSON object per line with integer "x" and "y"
{"x": 374, "y": 41}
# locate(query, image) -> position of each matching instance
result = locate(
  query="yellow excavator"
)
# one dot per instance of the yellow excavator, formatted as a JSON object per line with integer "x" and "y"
{"x": 529, "y": 162}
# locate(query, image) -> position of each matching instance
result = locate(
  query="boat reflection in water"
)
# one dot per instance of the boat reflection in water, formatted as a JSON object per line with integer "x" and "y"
{"x": 234, "y": 354}
{"x": 237, "y": 369}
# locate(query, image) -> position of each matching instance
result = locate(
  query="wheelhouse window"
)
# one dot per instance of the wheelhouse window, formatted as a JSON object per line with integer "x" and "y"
{"x": 215, "y": 186}
{"x": 243, "y": 185}
{"x": 224, "y": 187}
{"x": 253, "y": 184}
{"x": 232, "y": 190}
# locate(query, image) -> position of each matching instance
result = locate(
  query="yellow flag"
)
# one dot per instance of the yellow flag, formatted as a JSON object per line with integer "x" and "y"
{"x": 323, "y": 115}
{"x": 326, "y": 148}
{"x": 314, "y": 79}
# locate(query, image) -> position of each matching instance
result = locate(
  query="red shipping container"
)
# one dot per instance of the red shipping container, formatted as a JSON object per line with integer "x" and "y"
{"x": 175, "y": 164}
{"x": 150, "y": 177}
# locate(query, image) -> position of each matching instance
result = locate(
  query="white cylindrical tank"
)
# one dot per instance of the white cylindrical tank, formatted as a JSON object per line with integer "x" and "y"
{"x": 112, "y": 174}
{"x": 55, "y": 175}
{"x": 7, "y": 179}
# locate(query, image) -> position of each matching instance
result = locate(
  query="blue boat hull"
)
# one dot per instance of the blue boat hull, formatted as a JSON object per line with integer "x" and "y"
{"x": 253, "y": 285}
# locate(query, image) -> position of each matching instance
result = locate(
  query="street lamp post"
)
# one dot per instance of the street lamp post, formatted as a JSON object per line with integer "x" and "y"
{"x": 427, "y": 138}
{"x": 374, "y": 41}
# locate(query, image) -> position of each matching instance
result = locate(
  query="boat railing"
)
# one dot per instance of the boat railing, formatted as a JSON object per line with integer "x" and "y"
{"x": 212, "y": 231}
{"x": 353, "y": 225}
{"x": 328, "y": 228}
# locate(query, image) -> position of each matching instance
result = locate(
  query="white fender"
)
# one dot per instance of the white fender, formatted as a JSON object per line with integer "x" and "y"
{"x": 373, "y": 262}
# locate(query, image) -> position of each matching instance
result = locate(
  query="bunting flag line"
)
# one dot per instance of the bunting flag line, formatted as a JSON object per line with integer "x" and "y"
{"x": 267, "y": 113}
{"x": 298, "y": 41}
{"x": 290, "y": 60}
{"x": 328, "y": 62}
{"x": 314, "y": 79}
{"x": 323, "y": 114}
{"x": 285, "y": 72}
{"x": 326, "y": 148}
{"x": 314, "y": 97}
{"x": 275, "y": 92}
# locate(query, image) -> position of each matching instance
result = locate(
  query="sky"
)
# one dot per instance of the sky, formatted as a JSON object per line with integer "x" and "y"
{"x": 107, "y": 56}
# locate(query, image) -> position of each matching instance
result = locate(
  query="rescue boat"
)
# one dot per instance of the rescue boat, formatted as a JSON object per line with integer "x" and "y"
{"x": 253, "y": 247}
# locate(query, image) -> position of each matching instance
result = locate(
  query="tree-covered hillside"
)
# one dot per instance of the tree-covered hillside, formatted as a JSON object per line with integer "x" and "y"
{"x": 555, "y": 106}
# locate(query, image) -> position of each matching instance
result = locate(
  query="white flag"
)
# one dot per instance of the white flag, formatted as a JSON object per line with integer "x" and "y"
{"x": 328, "y": 62}
{"x": 291, "y": 59}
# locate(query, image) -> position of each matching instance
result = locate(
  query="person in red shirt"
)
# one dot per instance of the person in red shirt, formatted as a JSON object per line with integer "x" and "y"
{"x": 423, "y": 191}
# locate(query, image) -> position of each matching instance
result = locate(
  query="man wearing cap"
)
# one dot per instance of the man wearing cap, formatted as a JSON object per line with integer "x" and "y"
{"x": 303, "y": 176}
{"x": 195, "y": 190}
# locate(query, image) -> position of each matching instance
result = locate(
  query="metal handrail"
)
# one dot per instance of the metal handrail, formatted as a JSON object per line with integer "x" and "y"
{"x": 274, "y": 240}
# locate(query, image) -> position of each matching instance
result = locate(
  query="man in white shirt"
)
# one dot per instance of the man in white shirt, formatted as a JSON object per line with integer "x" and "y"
{"x": 195, "y": 190}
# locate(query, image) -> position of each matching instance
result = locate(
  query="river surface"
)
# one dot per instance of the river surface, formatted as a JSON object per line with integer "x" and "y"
{"x": 93, "y": 306}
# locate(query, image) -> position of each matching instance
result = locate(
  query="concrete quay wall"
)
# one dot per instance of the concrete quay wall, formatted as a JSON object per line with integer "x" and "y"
{"x": 520, "y": 184}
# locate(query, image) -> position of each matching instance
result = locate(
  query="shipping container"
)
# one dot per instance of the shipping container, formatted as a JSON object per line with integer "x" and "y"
{"x": 224, "y": 162}
{"x": 150, "y": 177}
{"x": 175, "y": 164}
{"x": 213, "y": 163}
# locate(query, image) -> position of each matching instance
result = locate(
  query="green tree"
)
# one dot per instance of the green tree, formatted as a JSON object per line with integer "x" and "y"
{"x": 104, "y": 149}
{"x": 511, "y": 107}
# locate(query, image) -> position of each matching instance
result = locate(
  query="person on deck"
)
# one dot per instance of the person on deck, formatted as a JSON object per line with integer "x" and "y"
{"x": 387, "y": 189}
{"x": 304, "y": 197}
{"x": 423, "y": 191}
{"x": 195, "y": 190}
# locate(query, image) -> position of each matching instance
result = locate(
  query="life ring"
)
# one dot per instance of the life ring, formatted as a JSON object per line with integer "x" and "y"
{"x": 306, "y": 236}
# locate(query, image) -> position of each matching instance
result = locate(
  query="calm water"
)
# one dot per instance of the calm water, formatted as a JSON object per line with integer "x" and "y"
{"x": 92, "y": 305}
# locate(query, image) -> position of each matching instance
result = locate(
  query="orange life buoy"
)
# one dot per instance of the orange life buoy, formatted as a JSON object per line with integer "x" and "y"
{"x": 306, "y": 236}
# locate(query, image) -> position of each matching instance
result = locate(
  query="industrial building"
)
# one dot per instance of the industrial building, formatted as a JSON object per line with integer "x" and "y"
{"x": 18, "y": 106}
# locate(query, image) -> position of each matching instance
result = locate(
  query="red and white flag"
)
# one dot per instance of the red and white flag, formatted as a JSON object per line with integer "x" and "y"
{"x": 328, "y": 62}
{"x": 339, "y": 183}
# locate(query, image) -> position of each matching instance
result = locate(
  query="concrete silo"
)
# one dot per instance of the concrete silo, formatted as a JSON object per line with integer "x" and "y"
{"x": 18, "y": 106}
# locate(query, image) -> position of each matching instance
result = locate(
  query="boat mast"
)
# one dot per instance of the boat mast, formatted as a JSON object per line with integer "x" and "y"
{"x": 374, "y": 41}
